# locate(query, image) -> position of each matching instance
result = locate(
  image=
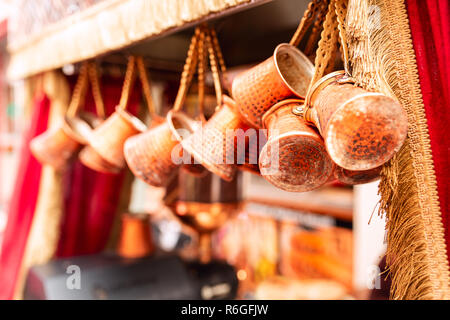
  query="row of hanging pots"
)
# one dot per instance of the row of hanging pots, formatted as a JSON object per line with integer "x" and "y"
{"x": 314, "y": 133}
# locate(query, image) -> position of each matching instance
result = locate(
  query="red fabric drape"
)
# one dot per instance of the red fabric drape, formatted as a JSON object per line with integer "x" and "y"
{"x": 91, "y": 198}
{"x": 23, "y": 202}
{"x": 430, "y": 29}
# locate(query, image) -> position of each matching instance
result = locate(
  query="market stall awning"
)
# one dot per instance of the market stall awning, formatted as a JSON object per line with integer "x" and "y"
{"x": 106, "y": 26}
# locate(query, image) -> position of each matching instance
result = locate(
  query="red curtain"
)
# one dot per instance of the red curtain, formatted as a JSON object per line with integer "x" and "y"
{"x": 91, "y": 198}
{"x": 430, "y": 29}
{"x": 23, "y": 202}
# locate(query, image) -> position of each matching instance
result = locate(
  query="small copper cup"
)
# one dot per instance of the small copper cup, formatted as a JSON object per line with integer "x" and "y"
{"x": 286, "y": 74}
{"x": 55, "y": 147}
{"x": 351, "y": 177}
{"x": 109, "y": 138}
{"x": 294, "y": 157}
{"x": 214, "y": 145}
{"x": 149, "y": 154}
{"x": 135, "y": 237}
{"x": 362, "y": 130}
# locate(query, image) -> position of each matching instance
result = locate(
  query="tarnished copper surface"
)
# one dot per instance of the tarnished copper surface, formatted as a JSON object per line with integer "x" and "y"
{"x": 135, "y": 237}
{"x": 362, "y": 130}
{"x": 109, "y": 138}
{"x": 302, "y": 163}
{"x": 149, "y": 154}
{"x": 287, "y": 73}
{"x": 356, "y": 177}
{"x": 54, "y": 147}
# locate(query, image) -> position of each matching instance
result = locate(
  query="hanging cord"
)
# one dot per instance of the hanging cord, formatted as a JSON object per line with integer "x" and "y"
{"x": 219, "y": 55}
{"x": 201, "y": 73}
{"x": 305, "y": 22}
{"x": 146, "y": 85}
{"x": 214, "y": 70}
{"x": 96, "y": 91}
{"x": 341, "y": 12}
{"x": 79, "y": 91}
{"x": 130, "y": 76}
{"x": 324, "y": 54}
{"x": 188, "y": 71}
{"x": 317, "y": 28}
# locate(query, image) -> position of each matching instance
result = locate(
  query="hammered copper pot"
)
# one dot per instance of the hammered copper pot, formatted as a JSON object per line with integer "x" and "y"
{"x": 55, "y": 147}
{"x": 214, "y": 144}
{"x": 362, "y": 130}
{"x": 351, "y": 177}
{"x": 294, "y": 157}
{"x": 109, "y": 138}
{"x": 286, "y": 74}
{"x": 150, "y": 154}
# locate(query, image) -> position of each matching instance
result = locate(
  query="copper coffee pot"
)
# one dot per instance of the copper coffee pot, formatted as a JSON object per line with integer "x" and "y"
{"x": 206, "y": 204}
{"x": 362, "y": 130}
{"x": 135, "y": 236}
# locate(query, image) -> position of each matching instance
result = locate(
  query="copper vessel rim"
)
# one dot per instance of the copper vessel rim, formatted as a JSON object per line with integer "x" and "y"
{"x": 322, "y": 83}
{"x": 277, "y": 106}
{"x": 335, "y": 155}
{"x": 132, "y": 120}
{"x": 305, "y": 63}
{"x": 184, "y": 118}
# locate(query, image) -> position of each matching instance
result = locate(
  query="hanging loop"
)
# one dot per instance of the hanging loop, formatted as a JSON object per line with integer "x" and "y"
{"x": 96, "y": 91}
{"x": 79, "y": 91}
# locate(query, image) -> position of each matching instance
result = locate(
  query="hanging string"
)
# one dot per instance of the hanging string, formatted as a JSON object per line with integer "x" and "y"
{"x": 79, "y": 90}
{"x": 96, "y": 91}
{"x": 188, "y": 71}
{"x": 305, "y": 22}
{"x": 130, "y": 75}
{"x": 146, "y": 85}
{"x": 214, "y": 70}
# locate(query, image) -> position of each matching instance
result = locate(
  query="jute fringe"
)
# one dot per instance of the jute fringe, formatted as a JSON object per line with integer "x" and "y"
{"x": 383, "y": 59}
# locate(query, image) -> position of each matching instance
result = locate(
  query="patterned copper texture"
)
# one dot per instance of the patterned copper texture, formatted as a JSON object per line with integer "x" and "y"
{"x": 214, "y": 144}
{"x": 362, "y": 130}
{"x": 149, "y": 154}
{"x": 294, "y": 158}
{"x": 55, "y": 147}
{"x": 135, "y": 236}
{"x": 356, "y": 177}
{"x": 109, "y": 138}
{"x": 286, "y": 74}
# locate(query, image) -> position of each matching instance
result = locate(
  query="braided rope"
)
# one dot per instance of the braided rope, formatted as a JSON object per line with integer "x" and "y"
{"x": 188, "y": 71}
{"x": 201, "y": 73}
{"x": 305, "y": 22}
{"x": 317, "y": 28}
{"x": 146, "y": 85}
{"x": 128, "y": 82}
{"x": 79, "y": 91}
{"x": 96, "y": 91}
{"x": 214, "y": 70}
{"x": 341, "y": 12}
